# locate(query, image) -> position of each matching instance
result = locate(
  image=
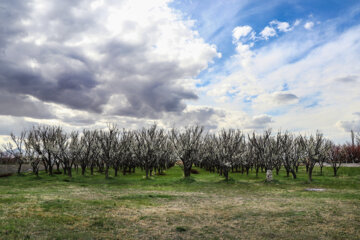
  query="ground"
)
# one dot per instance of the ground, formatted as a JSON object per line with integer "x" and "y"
{"x": 169, "y": 207}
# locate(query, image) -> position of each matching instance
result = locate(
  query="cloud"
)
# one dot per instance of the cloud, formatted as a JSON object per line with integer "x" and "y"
{"x": 23, "y": 106}
{"x": 241, "y": 31}
{"x": 350, "y": 125}
{"x": 127, "y": 58}
{"x": 259, "y": 122}
{"x": 348, "y": 79}
{"x": 268, "y": 32}
{"x": 285, "y": 97}
{"x": 289, "y": 76}
{"x": 281, "y": 26}
{"x": 308, "y": 25}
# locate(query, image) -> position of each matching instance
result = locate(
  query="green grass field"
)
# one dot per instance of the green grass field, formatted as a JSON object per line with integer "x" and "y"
{"x": 169, "y": 207}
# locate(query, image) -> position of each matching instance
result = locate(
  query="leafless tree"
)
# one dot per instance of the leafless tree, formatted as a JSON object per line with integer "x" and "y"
{"x": 69, "y": 150}
{"x": 87, "y": 149}
{"x": 336, "y": 156}
{"x": 266, "y": 149}
{"x": 186, "y": 144}
{"x": 30, "y": 153}
{"x": 108, "y": 139}
{"x": 313, "y": 147}
{"x": 291, "y": 153}
{"x": 44, "y": 143}
{"x": 147, "y": 147}
{"x": 16, "y": 149}
{"x": 229, "y": 145}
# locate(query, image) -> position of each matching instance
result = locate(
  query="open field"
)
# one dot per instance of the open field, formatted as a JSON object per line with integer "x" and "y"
{"x": 169, "y": 207}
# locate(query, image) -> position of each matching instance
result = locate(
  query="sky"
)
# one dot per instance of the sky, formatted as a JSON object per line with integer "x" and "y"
{"x": 246, "y": 64}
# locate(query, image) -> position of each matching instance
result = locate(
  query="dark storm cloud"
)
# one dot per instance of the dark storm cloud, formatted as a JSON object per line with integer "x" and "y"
{"x": 69, "y": 87}
{"x": 37, "y": 58}
{"x": 11, "y": 13}
{"x": 79, "y": 120}
{"x": 22, "y": 106}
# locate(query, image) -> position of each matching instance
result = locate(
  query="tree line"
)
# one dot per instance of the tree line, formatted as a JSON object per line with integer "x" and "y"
{"x": 154, "y": 150}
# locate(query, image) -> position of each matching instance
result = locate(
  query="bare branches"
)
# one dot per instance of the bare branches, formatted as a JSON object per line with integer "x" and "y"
{"x": 154, "y": 150}
{"x": 187, "y": 145}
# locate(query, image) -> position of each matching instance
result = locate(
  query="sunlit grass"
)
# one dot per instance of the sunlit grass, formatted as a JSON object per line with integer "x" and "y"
{"x": 170, "y": 207}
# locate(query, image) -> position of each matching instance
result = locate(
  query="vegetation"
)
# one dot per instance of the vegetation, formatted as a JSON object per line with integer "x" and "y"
{"x": 168, "y": 206}
{"x": 155, "y": 150}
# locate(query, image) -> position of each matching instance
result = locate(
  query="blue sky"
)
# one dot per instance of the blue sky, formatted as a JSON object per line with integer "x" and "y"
{"x": 247, "y": 64}
{"x": 215, "y": 20}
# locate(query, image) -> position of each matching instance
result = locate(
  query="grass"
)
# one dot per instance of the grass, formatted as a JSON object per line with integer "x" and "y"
{"x": 170, "y": 207}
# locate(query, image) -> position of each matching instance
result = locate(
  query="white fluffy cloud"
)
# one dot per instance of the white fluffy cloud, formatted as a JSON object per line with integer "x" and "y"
{"x": 281, "y": 26}
{"x": 308, "y": 25}
{"x": 241, "y": 31}
{"x": 268, "y": 32}
{"x": 302, "y": 80}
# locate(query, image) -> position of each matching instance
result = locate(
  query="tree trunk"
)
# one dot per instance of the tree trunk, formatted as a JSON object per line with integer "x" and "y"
{"x": 321, "y": 167}
{"x": 45, "y": 166}
{"x": 19, "y": 169}
{"x": 277, "y": 171}
{"x": 69, "y": 172}
{"x": 116, "y": 171}
{"x": 226, "y": 174}
{"x": 107, "y": 172}
{"x": 293, "y": 173}
{"x": 310, "y": 173}
{"x": 257, "y": 171}
{"x": 147, "y": 173}
{"x": 83, "y": 168}
{"x": 92, "y": 170}
{"x": 187, "y": 172}
{"x": 247, "y": 171}
{"x": 335, "y": 171}
{"x": 287, "y": 172}
{"x": 50, "y": 170}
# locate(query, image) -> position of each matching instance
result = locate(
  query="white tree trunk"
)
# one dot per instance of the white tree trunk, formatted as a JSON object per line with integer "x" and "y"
{"x": 269, "y": 176}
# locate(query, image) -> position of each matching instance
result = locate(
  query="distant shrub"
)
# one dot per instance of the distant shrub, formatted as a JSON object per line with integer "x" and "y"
{"x": 194, "y": 171}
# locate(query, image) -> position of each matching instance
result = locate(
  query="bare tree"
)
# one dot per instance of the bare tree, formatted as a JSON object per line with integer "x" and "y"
{"x": 87, "y": 150}
{"x": 44, "y": 143}
{"x": 147, "y": 147}
{"x": 336, "y": 156}
{"x": 30, "y": 153}
{"x": 16, "y": 149}
{"x": 108, "y": 139}
{"x": 229, "y": 144}
{"x": 291, "y": 153}
{"x": 313, "y": 150}
{"x": 187, "y": 146}
{"x": 69, "y": 150}
{"x": 265, "y": 149}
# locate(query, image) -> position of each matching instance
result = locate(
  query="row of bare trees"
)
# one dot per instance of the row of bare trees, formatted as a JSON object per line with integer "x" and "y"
{"x": 154, "y": 150}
